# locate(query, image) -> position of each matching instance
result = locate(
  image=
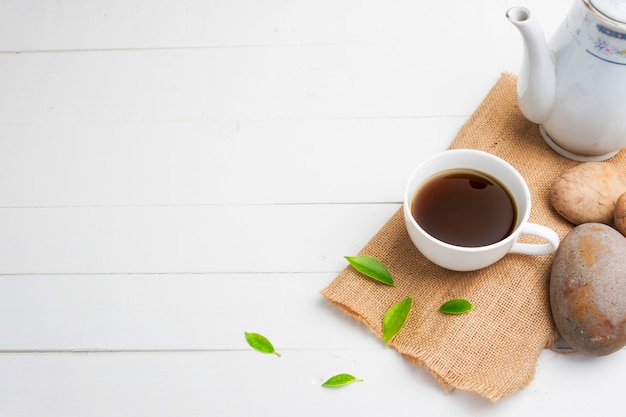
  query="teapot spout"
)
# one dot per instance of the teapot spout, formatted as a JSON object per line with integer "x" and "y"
{"x": 536, "y": 84}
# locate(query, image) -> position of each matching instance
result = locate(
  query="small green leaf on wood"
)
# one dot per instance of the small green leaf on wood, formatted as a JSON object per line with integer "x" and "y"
{"x": 340, "y": 380}
{"x": 456, "y": 306}
{"x": 372, "y": 267}
{"x": 260, "y": 343}
{"x": 395, "y": 318}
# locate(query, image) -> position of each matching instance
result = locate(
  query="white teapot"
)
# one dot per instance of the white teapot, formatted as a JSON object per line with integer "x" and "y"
{"x": 574, "y": 87}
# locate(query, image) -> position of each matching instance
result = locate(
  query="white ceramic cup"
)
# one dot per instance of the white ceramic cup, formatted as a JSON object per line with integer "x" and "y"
{"x": 460, "y": 258}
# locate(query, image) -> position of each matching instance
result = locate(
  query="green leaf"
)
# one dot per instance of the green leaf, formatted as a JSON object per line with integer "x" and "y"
{"x": 340, "y": 380}
{"x": 456, "y": 306}
{"x": 260, "y": 343}
{"x": 395, "y": 318}
{"x": 371, "y": 267}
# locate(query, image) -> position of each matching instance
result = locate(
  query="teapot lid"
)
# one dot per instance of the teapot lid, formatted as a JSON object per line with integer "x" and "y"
{"x": 613, "y": 9}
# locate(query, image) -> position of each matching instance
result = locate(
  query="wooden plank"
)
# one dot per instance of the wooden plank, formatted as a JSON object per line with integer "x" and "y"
{"x": 186, "y": 239}
{"x": 207, "y": 312}
{"x": 216, "y": 383}
{"x": 196, "y": 23}
{"x": 215, "y": 162}
{"x": 247, "y": 383}
{"x": 234, "y": 84}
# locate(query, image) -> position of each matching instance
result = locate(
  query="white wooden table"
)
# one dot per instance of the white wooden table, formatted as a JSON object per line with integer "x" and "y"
{"x": 174, "y": 173}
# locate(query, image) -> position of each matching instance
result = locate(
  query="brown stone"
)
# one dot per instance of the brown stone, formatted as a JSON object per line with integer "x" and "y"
{"x": 587, "y": 193}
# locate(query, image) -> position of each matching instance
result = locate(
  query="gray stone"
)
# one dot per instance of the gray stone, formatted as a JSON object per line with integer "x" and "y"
{"x": 588, "y": 289}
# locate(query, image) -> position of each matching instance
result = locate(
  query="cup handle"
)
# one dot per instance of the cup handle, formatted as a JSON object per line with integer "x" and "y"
{"x": 537, "y": 249}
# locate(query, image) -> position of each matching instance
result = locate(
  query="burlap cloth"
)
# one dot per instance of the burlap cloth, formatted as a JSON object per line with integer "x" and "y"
{"x": 493, "y": 349}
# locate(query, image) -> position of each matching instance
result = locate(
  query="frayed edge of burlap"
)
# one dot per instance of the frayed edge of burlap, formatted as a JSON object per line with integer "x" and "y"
{"x": 451, "y": 381}
{"x": 447, "y": 379}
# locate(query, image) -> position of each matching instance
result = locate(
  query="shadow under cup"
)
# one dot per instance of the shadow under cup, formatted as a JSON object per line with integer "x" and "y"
{"x": 468, "y": 258}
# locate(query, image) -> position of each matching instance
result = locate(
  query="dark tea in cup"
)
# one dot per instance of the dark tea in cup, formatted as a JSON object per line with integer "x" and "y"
{"x": 464, "y": 207}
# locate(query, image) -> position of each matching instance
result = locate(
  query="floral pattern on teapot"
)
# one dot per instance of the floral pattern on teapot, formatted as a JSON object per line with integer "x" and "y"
{"x": 607, "y": 44}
